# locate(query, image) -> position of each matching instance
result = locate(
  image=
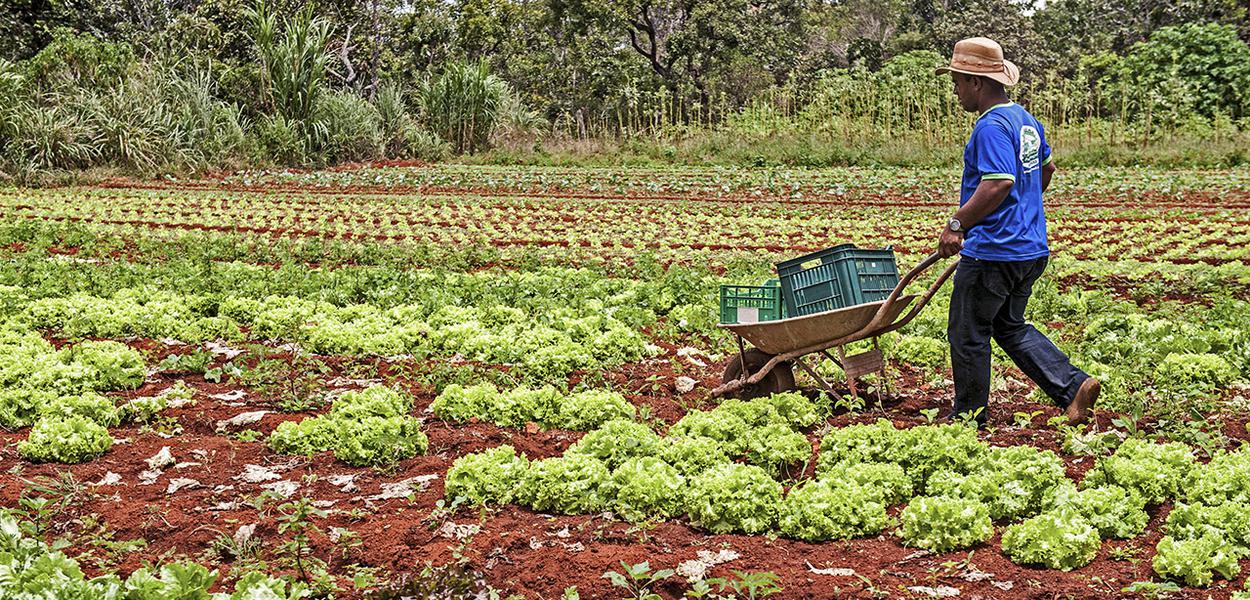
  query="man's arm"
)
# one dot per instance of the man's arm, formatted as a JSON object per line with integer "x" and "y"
{"x": 1048, "y": 171}
{"x": 989, "y": 194}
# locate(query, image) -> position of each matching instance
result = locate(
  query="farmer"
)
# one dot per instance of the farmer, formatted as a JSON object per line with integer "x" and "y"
{"x": 1000, "y": 233}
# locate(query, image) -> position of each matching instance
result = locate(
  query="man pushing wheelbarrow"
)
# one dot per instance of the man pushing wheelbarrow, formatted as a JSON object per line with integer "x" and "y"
{"x": 999, "y": 232}
{"x": 844, "y": 295}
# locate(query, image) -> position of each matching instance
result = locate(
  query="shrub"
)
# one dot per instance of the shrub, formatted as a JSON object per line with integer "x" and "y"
{"x": 734, "y": 497}
{"x": 941, "y": 523}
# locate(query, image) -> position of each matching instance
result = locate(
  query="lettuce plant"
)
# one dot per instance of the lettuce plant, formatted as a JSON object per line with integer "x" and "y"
{"x": 883, "y": 482}
{"x": 618, "y": 441}
{"x": 1225, "y": 479}
{"x": 693, "y": 455}
{"x": 1196, "y": 561}
{"x": 944, "y": 523}
{"x": 734, "y": 497}
{"x": 1156, "y": 472}
{"x": 88, "y": 405}
{"x": 374, "y": 441}
{"x": 489, "y": 477}
{"x": 72, "y": 439}
{"x": 775, "y": 447}
{"x": 1230, "y": 520}
{"x": 1113, "y": 510}
{"x": 728, "y": 429}
{"x": 1013, "y": 482}
{"x": 647, "y": 487}
{"x": 1061, "y": 540}
{"x": 830, "y": 510}
{"x": 571, "y": 484}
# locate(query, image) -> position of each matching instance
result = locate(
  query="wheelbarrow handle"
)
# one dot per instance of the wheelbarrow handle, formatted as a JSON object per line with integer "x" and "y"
{"x": 879, "y": 318}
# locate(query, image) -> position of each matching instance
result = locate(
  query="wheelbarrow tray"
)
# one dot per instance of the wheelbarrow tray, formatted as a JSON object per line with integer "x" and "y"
{"x": 788, "y": 335}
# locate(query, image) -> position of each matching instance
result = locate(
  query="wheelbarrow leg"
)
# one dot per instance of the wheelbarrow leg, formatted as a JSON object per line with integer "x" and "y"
{"x": 850, "y": 378}
{"x": 820, "y": 380}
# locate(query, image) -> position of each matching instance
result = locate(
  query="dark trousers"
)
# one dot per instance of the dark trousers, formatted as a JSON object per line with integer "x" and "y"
{"x": 988, "y": 302}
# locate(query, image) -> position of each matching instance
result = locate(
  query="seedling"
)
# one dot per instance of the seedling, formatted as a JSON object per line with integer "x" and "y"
{"x": 638, "y": 579}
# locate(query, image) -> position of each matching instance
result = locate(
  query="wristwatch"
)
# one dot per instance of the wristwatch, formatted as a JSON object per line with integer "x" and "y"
{"x": 955, "y": 226}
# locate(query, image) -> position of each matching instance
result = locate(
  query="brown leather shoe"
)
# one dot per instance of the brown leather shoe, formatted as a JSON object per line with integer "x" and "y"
{"x": 1083, "y": 403}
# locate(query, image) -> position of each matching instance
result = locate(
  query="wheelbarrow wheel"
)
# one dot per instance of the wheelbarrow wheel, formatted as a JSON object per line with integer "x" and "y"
{"x": 780, "y": 379}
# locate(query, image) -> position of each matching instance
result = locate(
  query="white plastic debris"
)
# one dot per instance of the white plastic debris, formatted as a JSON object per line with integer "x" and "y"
{"x": 163, "y": 458}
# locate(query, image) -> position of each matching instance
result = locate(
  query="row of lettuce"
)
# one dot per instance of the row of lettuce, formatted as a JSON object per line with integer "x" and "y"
{"x": 721, "y": 468}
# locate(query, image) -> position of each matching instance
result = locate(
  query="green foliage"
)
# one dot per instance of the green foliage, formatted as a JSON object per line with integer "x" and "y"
{"x": 776, "y": 447}
{"x": 1226, "y": 478}
{"x": 369, "y": 427}
{"x": 921, "y": 451}
{"x": 374, "y": 441}
{"x": 1156, "y": 472}
{"x": 489, "y": 477}
{"x": 1196, "y": 561}
{"x": 647, "y": 487}
{"x": 795, "y": 409}
{"x": 1060, "y": 540}
{"x": 463, "y": 105}
{"x": 581, "y": 411}
{"x": 1191, "y": 68}
{"x": 618, "y": 441}
{"x": 1194, "y": 373}
{"x": 828, "y": 510}
{"x": 728, "y": 429}
{"x": 734, "y": 497}
{"x": 922, "y": 351}
{"x": 1230, "y": 521}
{"x": 1013, "y": 482}
{"x": 586, "y": 410}
{"x": 693, "y": 455}
{"x": 89, "y": 405}
{"x": 115, "y": 365}
{"x": 1113, "y": 510}
{"x": 941, "y": 524}
{"x": 71, "y": 440}
{"x": 570, "y": 484}
{"x": 78, "y": 60}
{"x": 885, "y": 482}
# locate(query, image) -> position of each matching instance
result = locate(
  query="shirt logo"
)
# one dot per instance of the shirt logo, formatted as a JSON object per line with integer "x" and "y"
{"x": 1030, "y": 147}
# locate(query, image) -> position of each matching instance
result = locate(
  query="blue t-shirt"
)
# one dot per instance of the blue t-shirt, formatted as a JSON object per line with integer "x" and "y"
{"x": 1007, "y": 143}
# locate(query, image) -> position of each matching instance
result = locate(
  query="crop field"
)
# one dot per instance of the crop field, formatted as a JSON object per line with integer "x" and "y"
{"x": 464, "y": 381}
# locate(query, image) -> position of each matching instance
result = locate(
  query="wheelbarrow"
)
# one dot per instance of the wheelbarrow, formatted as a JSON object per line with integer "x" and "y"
{"x": 767, "y": 368}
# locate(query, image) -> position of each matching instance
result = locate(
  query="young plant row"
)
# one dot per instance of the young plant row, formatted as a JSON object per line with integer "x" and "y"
{"x": 955, "y": 488}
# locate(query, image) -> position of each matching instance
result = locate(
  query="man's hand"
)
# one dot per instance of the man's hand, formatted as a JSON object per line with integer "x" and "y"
{"x": 950, "y": 243}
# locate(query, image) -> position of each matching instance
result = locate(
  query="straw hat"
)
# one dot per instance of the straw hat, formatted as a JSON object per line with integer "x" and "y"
{"x": 984, "y": 57}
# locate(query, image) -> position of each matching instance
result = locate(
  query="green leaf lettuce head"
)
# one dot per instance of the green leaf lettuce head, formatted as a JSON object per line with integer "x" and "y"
{"x": 647, "y": 487}
{"x": 828, "y": 510}
{"x": 734, "y": 497}
{"x": 570, "y": 484}
{"x": 1196, "y": 561}
{"x": 374, "y": 441}
{"x": 1156, "y": 472}
{"x": 70, "y": 440}
{"x": 617, "y": 441}
{"x": 944, "y": 523}
{"x": 1061, "y": 540}
{"x": 1116, "y": 512}
{"x": 489, "y": 477}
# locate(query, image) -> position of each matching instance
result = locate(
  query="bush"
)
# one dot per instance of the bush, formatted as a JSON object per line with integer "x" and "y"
{"x": 489, "y": 477}
{"x": 1201, "y": 68}
{"x": 1058, "y": 540}
{"x": 941, "y": 523}
{"x": 346, "y": 128}
{"x": 734, "y": 497}
{"x": 827, "y": 510}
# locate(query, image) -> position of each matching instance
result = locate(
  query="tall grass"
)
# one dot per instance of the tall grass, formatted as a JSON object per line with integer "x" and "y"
{"x": 463, "y": 104}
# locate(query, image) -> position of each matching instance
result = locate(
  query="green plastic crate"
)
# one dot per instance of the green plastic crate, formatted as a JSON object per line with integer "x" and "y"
{"x": 751, "y": 303}
{"x": 835, "y": 278}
